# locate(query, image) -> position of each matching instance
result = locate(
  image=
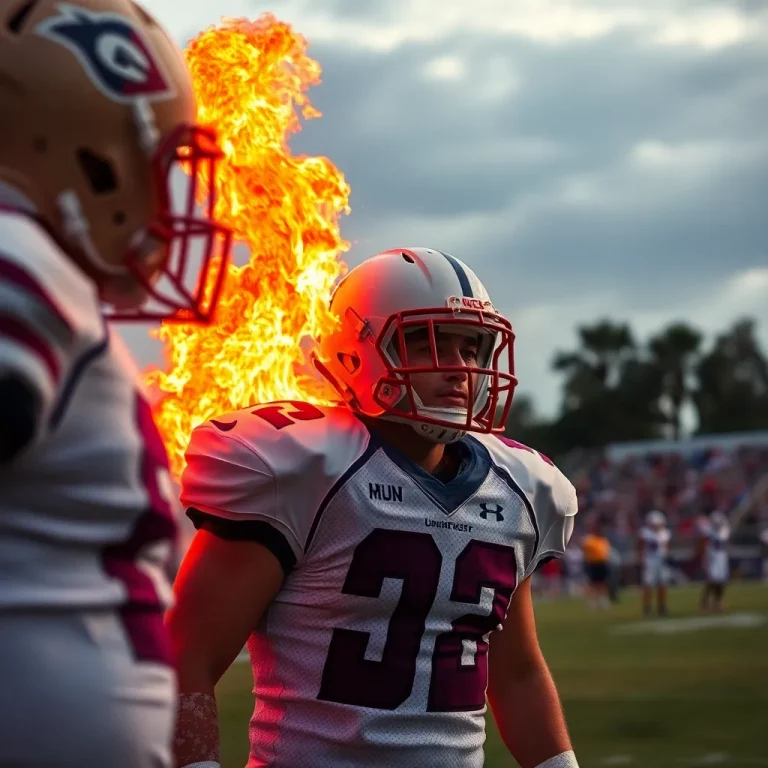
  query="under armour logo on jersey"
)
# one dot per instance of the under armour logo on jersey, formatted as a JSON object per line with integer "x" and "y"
{"x": 491, "y": 509}
{"x": 112, "y": 50}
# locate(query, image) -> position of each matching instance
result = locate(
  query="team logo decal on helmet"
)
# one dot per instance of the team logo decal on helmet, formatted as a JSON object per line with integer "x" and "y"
{"x": 113, "y": 52}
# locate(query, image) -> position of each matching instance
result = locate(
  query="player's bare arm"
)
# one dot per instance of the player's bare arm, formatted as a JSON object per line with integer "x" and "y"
{"x": 521, "y": 692}
{"x": 222, "y": 590}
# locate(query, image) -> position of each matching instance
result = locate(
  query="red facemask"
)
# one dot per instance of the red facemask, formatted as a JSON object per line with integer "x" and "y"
{"x": 195, "y": 247}
{"x": 398, "y": 377}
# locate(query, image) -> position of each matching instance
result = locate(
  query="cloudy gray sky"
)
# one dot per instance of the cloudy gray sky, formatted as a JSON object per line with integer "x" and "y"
{"x": 587, "y": 158}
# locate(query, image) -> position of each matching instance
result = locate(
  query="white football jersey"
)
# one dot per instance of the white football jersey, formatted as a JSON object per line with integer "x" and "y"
{"x": 656, "y": 542}
{"x": 716, "y": 547}
{"x": 374, "y": 651}
{"x": 85, "y": 516}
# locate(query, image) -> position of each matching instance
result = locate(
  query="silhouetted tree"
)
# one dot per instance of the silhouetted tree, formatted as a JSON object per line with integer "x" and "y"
{"x": 596, "y": 365}
{"x": 609, "y": 393}
{"x": 732, "y": 392}
{"x": 615, "y": 390}
{"x": 675, "y": 351}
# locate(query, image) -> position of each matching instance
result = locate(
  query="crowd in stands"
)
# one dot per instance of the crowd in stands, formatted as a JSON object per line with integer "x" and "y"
{"x": 685, "y": 485}
{"x": 686, "y": 481}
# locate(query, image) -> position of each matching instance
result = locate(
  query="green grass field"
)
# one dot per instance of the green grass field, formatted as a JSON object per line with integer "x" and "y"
{"x": 698, "y": 696}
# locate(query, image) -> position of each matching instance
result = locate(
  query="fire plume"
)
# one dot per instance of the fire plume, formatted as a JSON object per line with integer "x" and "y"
{"x": 251, "y": 79}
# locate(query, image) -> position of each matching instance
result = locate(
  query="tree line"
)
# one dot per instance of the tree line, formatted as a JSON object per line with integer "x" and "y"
{"x": 616, "y": 389}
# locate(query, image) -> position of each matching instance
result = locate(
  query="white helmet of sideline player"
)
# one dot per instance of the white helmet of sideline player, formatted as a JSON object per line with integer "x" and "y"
{"x": 656, "y": 518}
{"x": 718, "y": 519}
{"x": 399, "y": 291}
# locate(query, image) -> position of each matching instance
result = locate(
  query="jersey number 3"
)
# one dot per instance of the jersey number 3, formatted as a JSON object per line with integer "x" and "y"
{"x": 459, "y": 674}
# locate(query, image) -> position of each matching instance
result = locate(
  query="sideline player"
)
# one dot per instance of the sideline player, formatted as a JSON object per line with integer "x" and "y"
{"x": 97, "y": 111}
{"x": 653, "y": 544}
{"x": 714, "y": 553}
{"x": 764, "y": 553}
{"x": 596, "y": 547}
{"x": 369, "y": 552}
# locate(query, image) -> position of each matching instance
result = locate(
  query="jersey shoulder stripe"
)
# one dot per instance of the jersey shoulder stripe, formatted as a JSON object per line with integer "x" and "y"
{"x": 33, "y": 263}
{"x": 12, "y": 274}
{"x": 22, "y": 335}
{"x": 50, "y": 318}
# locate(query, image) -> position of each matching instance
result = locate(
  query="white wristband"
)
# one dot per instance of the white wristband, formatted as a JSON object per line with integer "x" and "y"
{"x": 563, "y": 760}
{"x": 204, "y": 764}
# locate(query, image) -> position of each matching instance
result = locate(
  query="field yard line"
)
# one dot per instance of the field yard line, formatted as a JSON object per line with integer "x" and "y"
{"x": 651, "y": 697}
{"x": 691, "y": 624}
{"x": 718, "y": 758}
{"x": 710, "y": 758}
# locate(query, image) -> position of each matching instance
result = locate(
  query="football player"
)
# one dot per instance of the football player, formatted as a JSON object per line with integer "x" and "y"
{"x": 653, "y": 544}
{"x": 713, "y": 550}
{"x": 98, "y": 115}
{"x": 376, "y": 555}
{"x": 764, "y": 553}
{"x": 596, "y": 547}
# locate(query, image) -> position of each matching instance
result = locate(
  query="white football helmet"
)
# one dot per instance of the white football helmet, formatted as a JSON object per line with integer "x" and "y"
{"x": 402, "y": 290}
{"x": 656, "y": 518}
{"x": 718, "y": 520}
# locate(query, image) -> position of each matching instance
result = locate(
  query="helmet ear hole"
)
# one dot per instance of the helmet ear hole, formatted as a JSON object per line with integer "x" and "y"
{"x": 344, "y": 392}
{"x": 408, "y": 258}
{"x": 350, "y": 363}
{"x": 98, "y": 171}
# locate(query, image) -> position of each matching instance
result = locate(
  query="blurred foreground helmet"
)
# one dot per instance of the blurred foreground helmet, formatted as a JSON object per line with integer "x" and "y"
{"x": 98, "y": 116}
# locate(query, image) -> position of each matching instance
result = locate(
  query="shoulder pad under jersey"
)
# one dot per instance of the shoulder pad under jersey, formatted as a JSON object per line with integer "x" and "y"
{"x": 51, "y": 317}
{"x": 274, "y": 462}
{"x": 551, "y": 495}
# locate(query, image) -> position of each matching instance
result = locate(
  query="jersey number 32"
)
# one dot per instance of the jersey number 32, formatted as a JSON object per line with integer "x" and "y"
{"x": 414, "y": 558}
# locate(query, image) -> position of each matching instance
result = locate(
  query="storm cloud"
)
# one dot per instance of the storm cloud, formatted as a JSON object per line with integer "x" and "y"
{"x": 587, "y": 159}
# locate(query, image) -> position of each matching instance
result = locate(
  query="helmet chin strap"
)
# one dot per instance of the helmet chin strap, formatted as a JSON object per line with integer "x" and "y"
{"x": 435, "y": 432}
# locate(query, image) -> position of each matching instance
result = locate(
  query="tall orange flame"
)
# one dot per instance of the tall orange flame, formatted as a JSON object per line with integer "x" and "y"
{"x": 251, "y": 79}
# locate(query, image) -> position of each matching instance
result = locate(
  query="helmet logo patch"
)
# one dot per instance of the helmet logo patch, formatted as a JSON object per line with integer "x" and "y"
{"x": 465, "y": 302}
{"x": 113, "y": 52}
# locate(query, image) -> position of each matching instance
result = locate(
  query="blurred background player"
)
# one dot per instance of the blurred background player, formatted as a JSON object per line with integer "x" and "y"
{"x": 573, "y": 569}
{"x": 550, "y": 580}
{"x": 764, "y": 552}
{"x": 368, "y": 552}
{"x": 596, "y": 547}
{"x": 653, "y": 548}
{"x": 97, "y": 110}
{"x": 713, "y": 550}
